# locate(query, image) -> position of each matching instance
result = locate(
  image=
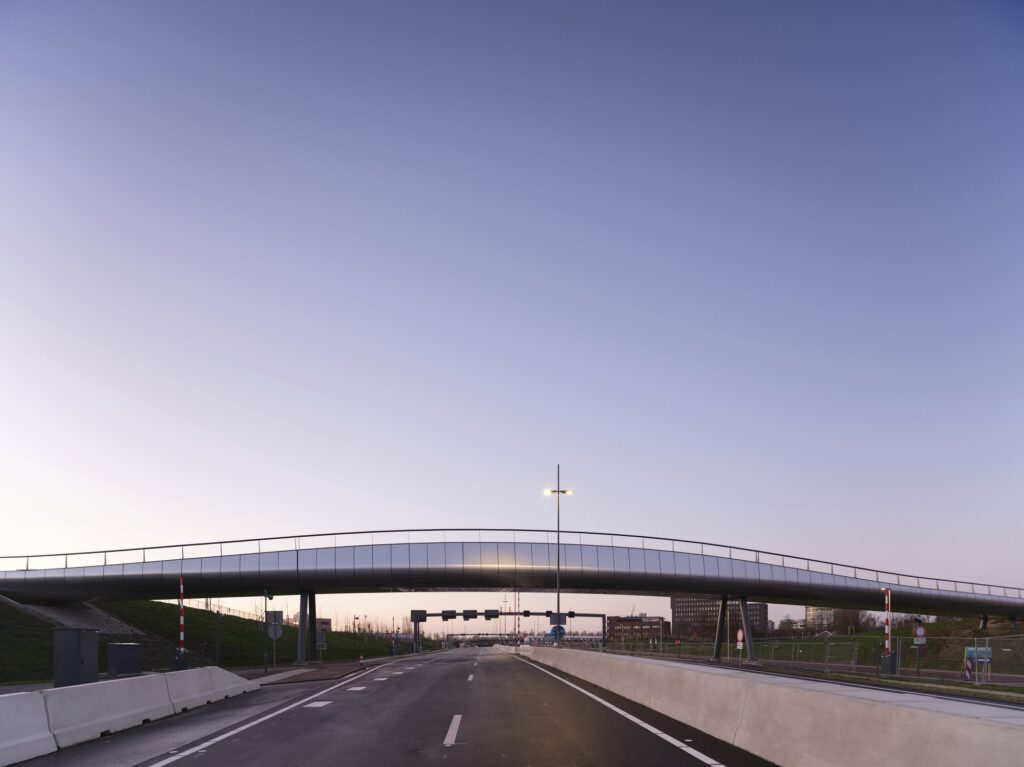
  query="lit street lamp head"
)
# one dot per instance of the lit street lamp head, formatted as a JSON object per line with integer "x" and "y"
{"x": 558, "y": 492}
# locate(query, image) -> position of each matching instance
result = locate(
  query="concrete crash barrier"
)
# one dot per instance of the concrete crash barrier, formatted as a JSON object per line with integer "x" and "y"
{"x": 800, "y": 722}
{"x": 24, "y": 728}
{"x": 89, "y": 711}
{"x": 199, "y": 686}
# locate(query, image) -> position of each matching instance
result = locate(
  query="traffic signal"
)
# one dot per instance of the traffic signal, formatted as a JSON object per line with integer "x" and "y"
{"x": 548, "y": 613}
{"x": 526, "y": 613}
{"x": 572, "y": 613}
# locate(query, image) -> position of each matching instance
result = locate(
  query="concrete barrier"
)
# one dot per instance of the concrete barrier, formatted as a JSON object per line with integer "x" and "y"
{"x": 804, "y": 723}
{"x": 88, "y": 711}
{"x": 199, "y": 686}
{"x": 24, "y": 728}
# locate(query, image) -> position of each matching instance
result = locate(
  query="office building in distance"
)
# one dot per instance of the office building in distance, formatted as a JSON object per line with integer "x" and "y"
{"x": 696, "y": 615}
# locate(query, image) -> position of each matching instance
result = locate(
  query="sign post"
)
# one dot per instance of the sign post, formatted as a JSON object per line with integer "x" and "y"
{"x": 274, "y": 620}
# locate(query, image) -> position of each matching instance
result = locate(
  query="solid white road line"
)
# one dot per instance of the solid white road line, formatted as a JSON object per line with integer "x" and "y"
{"x": 649, "y": 727}
{"x": 318, "y": 704}
{"x": 470, "y": 678}
{"x": 453, "y": 729}
{"x": 261, "y": 720}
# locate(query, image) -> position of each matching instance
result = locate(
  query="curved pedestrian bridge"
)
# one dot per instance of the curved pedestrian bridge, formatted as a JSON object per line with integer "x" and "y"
{"x": 483, "y": 560}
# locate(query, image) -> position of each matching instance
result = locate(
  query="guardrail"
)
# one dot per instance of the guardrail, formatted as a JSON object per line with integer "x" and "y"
{"x": 501, "y": 535}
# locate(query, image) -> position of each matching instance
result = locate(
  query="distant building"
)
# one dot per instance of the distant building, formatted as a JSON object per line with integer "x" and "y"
{"x": 820, "y": 618}
{"x": 636, "y": 628}
{"x": 696, "y": 615}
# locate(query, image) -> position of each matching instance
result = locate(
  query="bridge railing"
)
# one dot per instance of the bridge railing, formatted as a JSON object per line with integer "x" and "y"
{"x": 454, "y": 535}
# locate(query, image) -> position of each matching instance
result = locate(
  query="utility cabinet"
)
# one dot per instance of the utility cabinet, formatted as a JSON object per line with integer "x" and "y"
{"x": 76, "y": 656}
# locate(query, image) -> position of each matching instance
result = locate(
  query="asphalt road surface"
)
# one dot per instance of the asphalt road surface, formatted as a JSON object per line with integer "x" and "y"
{"x": 473, "y": 707}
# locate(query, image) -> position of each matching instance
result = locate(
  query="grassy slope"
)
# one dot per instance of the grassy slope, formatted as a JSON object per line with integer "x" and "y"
{"x": 242, "y": 641}
{"x": 27, "y": 647}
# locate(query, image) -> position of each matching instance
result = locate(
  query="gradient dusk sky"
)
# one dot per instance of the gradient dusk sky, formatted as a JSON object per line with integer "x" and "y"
{"x": 751, "y": 271}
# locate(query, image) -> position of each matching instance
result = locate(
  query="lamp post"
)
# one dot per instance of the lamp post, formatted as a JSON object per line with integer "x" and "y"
{"x": 558, "y": 492}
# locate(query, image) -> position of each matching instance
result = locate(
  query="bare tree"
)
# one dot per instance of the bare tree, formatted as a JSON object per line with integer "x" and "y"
{"x": 847, "y": 621}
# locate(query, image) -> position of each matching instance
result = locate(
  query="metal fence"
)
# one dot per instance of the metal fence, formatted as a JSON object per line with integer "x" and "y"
{"x": 999, "y": 660}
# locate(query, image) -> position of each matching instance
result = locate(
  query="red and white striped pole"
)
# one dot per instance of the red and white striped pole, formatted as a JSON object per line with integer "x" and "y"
{"x": 181, "y": 613}
{"x": 888, "y": 622}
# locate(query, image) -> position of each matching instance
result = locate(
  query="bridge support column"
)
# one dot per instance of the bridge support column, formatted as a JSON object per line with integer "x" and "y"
{"x": 748, "y": 635}
{"x": 300, "y": 654}
{"x": 720, "y": 629}
{"x": 311, "y": 628}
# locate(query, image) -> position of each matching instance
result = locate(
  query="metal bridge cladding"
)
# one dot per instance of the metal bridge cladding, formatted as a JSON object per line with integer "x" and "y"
{"x": 482, "y": 560}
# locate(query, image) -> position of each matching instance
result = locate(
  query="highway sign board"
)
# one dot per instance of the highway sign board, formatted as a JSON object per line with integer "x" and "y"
{"x": 275, "y": 616}
{"x": 274, "y": 631}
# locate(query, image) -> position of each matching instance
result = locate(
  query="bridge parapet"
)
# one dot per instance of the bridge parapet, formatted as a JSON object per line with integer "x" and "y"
{"x": 484, "y": 559}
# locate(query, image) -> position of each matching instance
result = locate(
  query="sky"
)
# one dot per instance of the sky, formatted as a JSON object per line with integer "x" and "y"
{"x": 751, "y": 272}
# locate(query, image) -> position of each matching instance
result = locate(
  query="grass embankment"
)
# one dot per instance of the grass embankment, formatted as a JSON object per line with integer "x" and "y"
{"x": 27, "y": 643}
{"x": 242, "y": 641}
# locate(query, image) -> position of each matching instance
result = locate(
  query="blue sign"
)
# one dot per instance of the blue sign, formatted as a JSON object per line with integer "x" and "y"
{"x": 979, "y": 654}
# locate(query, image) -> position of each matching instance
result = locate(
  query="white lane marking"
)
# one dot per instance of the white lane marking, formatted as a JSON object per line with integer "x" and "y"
{"x": 649, "y": 727}
{"x": 203, "y": 746}
{"x": 381, "y": 679}
{"x": 453, "y": 729}
{"x": 474, "y": 664}
{"x": 470, "y": 678}
{"x": 356, "y": 689}
{"x": 397, "y": 673}
{"x": 318, "y": 704}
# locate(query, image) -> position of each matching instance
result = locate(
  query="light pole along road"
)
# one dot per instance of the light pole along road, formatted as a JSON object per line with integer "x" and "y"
{"x": 558, "y": 492}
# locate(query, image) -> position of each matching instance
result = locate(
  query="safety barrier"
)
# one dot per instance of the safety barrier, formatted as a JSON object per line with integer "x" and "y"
{"x": 88, "y": 711}
{"x": 803, "y": 723}
{"x": 24, "y": 728}
{"x": 199, "y": 686}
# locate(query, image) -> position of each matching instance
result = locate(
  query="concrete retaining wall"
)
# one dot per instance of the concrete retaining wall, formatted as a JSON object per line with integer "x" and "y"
{"x": 804, "y": 723}
{"x": 24, "y": 728}
{"x": 199, "y": 686}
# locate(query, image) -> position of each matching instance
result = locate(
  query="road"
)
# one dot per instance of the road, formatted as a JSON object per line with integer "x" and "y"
{"x": 470, "y": 706}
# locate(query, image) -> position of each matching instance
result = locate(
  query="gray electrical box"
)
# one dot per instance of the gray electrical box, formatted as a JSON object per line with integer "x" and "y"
{"x": 124, "y": 658}
{"x": 76, "y": 656}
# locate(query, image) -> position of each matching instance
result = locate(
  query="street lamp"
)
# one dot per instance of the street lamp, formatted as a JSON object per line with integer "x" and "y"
{"x": 558, "y": 492}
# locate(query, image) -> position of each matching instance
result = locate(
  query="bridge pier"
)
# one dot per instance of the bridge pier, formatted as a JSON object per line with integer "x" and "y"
{"x": 748, "y": 635}
{"x": 300, "y": 653}
{"x": 723, "y": 608}
{"x": 311, "y": 631}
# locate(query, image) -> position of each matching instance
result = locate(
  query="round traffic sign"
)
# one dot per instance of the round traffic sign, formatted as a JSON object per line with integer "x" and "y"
{"x": 739, "y": 635}
{"x": 919, "y": 631}
{"x": 274, "y": 631}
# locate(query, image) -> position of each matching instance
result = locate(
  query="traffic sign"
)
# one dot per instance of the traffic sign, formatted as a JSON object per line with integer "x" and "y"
{"x": 275, "y": 616}
{"x": 739, "y": 639}
{"x": 274, "y": 631}
{"x": 919, "y": 634}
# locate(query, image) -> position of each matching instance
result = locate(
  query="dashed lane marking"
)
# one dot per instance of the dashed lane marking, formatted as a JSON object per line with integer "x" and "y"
{"x": 318, "y": 704}
{"x": 356, "y": 689}
{"x": 470, "y": 678}
{"x": 203, "y": 746}
{"x": 453, "y": 730}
